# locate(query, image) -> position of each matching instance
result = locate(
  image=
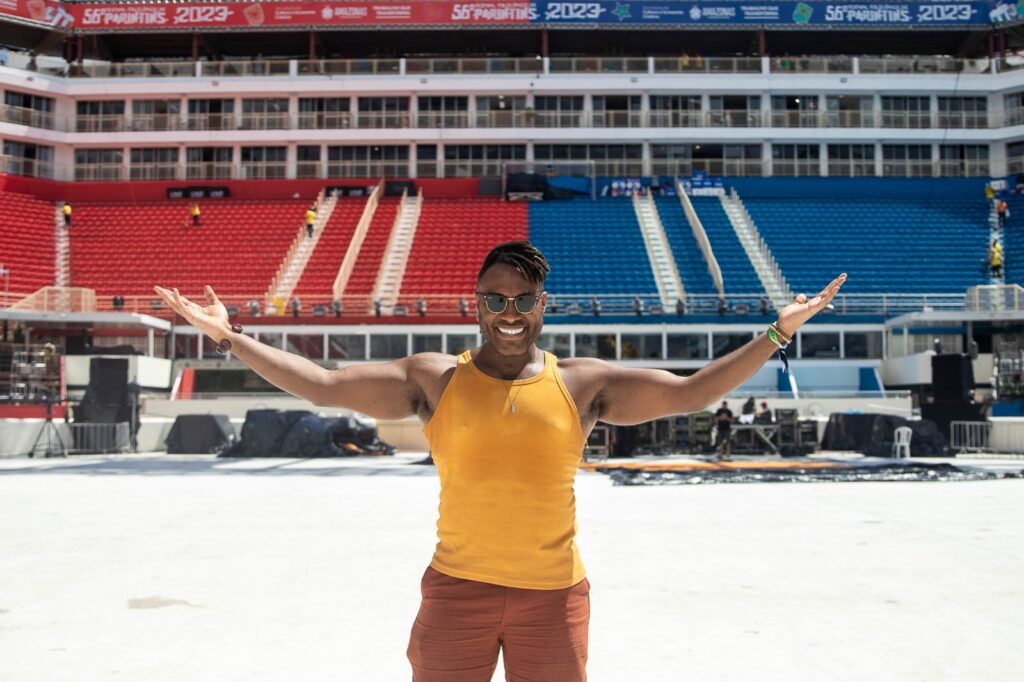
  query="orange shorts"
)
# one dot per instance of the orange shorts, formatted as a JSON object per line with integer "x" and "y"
{"x": 462, "y": 624}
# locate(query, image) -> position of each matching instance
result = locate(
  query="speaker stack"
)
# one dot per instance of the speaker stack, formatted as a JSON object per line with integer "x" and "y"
{"x": 952, "y": 382}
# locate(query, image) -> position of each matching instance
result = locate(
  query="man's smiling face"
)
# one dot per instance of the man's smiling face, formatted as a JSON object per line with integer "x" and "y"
{"x": 509, "y": 332}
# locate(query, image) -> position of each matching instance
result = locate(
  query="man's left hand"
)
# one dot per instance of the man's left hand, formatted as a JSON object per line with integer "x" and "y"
{"x": 802, "y": 309}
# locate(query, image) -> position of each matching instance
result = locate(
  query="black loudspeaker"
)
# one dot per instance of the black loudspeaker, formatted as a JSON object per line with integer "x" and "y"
{"x": 952, "y": 378}
{"x": 945, "y": 413}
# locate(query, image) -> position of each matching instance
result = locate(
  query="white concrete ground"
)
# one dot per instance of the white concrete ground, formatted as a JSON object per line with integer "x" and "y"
{"x": 172, "y": 569}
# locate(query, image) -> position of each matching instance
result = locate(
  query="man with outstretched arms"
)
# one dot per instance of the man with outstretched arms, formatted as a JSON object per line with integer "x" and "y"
{"x": 507, "y": 424}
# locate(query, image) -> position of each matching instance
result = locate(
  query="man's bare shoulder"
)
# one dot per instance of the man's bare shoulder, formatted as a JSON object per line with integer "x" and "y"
{"x": 584, "y": 368}
{"x": 431, "y": 363}
{"x": 584, "y": 364}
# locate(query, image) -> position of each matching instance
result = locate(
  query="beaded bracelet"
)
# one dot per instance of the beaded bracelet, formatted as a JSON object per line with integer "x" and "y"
{"x": 779, "y": 338}
{"x": 225, "y": 344}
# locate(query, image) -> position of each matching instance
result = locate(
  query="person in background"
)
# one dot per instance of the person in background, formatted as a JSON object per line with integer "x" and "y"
{"x": 990, "y": 195}
{"x": 765, "y": 415}
{"x": 750, "y": 406}
{"x": 723, "y": 431}
{"x": 194, "y": 210}
{"x": 1003, "y": 211}
{"x": 995, "y": 258}
{"x": 310, "y": 221}
{"x": 67, "y": 213}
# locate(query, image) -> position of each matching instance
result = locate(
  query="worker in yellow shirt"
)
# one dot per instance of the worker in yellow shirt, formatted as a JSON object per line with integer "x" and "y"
{"x": 196, "y": 213}
{"x": 66, "y": 210}
{"x": 310, "y": 221}
{"x": 506, "y": 423}
{"x": 995, "y": 258}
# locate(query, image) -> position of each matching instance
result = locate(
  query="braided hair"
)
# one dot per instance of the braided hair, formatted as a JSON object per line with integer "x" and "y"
{"x": 523, "y": 256}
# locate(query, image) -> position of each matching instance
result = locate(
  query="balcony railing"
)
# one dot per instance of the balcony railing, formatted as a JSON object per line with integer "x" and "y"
{"x": 796, "y": 169}
{"x": 348, "y": 67}
{"x": 851, "y": 168}
{"x": 871, "y": 64}
{"x": 753, "y": 168}
{"x": 368, "y": 169}
{"x": 154, "y": 171}
{"x": 27, "y": 117}
{"x": 263, "y": 170}
{"x": 324, "y": 120}
{"x": 442, "y": 119}
{"x": 100, "y": 123}
{"x": 524, "y": 118}
{"x": 308, "y": 169}
{"x": 99, "y": 172}
{"x": 811, "y": 64}
{"x": 277, "y": 120}
{"x": 382, "y": 119}
{"x": 209, "y": 170}
{"x": 148, "y": 122}
{"x": 718, "y": 65}
{"x": 16, "y": 165}
{"x": 476, "y": 65}
{"x": 597, "y": 65}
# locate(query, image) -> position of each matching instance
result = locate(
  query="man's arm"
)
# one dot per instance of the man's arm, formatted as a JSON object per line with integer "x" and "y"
{"x": 381, "y": 390}
{"x": 634, "y": 396}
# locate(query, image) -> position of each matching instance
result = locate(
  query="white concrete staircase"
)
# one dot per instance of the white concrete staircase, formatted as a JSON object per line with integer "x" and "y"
{"x": 290, "y": 271}
{"x": 659, "y": 252}
{"x": 760, "y": 255}
{"x": 995, "y": 234}
{"x": 396, "y": 255}
{"x": 701, "y": 237}
{"x": 61, "y": 249}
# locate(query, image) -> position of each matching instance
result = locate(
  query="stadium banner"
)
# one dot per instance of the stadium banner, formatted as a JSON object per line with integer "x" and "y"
{"x": 100, "y": 17}
{"x": 815, "y": 13}
{"x": 324, "y": 15}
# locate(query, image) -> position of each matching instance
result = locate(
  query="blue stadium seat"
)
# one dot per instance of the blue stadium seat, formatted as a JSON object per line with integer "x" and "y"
{"x": 933, "y": 245}
{"x": 594, "y": 247}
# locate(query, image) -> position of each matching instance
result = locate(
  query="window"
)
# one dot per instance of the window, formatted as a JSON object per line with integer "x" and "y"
{"x": 725, "y": 343}
{"x": 555, "y": 343}
{"x": 346, "y": 346}
{"x": 595, "y": 346}
{"x": 687, "y": 346}
{"x": 819, "y": 344}
{"x": 24, "y": 158}
{"x": 641, "y": 346}
{"x": 388, "y": 346}
{"x": 264, "y": 154}
{"x": 307, "y": 345}
{"x": 460, "y": 343}
{"x": 426, "y": 343}
{"x": 100, "y": 116}
{"x": 154, "y": 163}
{"x": 862, "y": 344}
{"x": 851, "y": 160}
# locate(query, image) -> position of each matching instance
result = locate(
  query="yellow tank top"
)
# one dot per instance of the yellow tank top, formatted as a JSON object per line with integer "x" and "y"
{"x": 507, "y": 454}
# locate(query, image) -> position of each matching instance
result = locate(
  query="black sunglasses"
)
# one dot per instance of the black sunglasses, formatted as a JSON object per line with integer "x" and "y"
{"x": 496, "y": 303}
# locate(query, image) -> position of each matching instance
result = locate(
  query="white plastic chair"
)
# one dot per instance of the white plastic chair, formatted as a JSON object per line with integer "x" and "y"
{"x": 901, "y": 446}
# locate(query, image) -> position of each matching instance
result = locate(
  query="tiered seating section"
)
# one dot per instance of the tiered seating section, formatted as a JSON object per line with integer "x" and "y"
{"x": 26, "y": 241}
{"x": 127, "y": 248}
{"x": 322, "y": 268}
{"x": 364, "y": 275}
{"x": 693, "y": 269}
{"x": 885, "y": 245}
{"x": 453, "y": 237}
{"x": 594, "y": 247}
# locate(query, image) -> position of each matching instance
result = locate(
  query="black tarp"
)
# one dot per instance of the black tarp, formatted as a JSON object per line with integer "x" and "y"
{"x": 873, "y": 435}
{"x": 299, "y": 433}
{"x": 200, "y": 434}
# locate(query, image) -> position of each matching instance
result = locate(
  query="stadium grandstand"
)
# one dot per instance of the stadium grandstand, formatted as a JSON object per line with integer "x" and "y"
{"x": 687, "y": 168}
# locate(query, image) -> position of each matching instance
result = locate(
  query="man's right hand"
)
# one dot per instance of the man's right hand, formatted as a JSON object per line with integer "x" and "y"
{"x": 211, "y": 319}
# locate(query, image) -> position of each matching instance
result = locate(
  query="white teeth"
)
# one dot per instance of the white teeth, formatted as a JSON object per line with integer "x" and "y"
{"x": 510, "y": 332}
